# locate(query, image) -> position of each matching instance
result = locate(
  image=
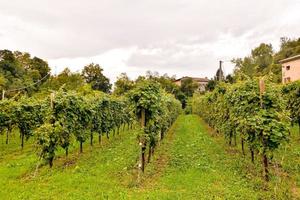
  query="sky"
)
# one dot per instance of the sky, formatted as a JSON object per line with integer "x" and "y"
{"x": 178, "y": 37}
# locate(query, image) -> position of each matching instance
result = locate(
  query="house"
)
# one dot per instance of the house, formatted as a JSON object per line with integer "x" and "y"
{"x": 202, "y": 82}
{"x": 290, "y": 69}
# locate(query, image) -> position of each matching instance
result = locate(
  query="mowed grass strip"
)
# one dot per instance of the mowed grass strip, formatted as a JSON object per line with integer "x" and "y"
{"x": 198, "y": 168}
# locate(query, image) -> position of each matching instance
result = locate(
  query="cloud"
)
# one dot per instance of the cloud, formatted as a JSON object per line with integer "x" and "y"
{"x": 183, "y": 37}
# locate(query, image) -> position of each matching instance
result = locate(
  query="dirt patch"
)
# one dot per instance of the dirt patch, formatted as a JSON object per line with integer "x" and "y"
{"x": 232, "y": 150}
{"x": 296, "y": 191}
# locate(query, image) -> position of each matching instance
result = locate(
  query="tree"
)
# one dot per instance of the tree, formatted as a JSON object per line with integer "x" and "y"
{"x": 93, "y": 75}
{"x": 229, "y": 79}
{"x": 211, "y": 85}
{"x": 288, "y": 48}
{"x": 259, "y": 63}
{"x": 19, "y": 70}
{"x": 40, "y": 65}
{"x": 123, "y": 84}
{"x": 263, "y": 58}
{"x": 167, "y": 83}
{"x": 188, "y": 87}
{"x": 66, "y": 79}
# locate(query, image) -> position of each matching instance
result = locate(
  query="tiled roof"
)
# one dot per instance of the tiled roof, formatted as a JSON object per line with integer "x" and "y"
{"x": 290, "y": 59}
{"x": 195, "y": 79}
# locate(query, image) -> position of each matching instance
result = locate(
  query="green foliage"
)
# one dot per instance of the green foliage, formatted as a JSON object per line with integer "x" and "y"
{"x": 18, "y": 69}
{"x": 7, "y": 117}
{"x": 288, "y": 48}
{"x": 93, "y": 75}
{"x": 259, "y": 63}
{"x": 66, "y": 79}
{"x": 29, "y": 114}
{"x": 56, "y": 120}
{"x": 211, "y": 85}
{"x": 47, "y": 138}
{"x": 167, "y": 83}
{"x": 240, "y": 110}
{"x": 291, "y": 93}
{"x": 123, "y": 84}
{"x": 161, "y": 109}
{"x": 263, "y": 61}
{"x": 188, "y": 86}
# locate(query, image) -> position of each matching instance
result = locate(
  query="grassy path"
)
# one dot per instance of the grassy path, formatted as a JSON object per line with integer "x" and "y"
{"x": 198, "y": 168}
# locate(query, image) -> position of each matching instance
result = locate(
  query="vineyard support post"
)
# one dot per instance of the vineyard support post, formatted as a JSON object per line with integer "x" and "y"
{"x": 141, "y": 165}
{"x": 91, "y": 138}
{"x": 266, "y": 170}
{"x": 142, "y": 147}
{"x": 252, "y": 155}
{"x": 81, "y": 147}
{"x": 265, "y": 161}
{"x": 3, "y": 94}
{"x": 262, "y": 89}
{"x": 6, "y": 141}
{"x": 162, "y": 135}
{"x": 7, "y": 135}
{"x": 149, "y": 153}
{"x": 52, "y": 96}
{"x": 142, "y": 142}
{"x": 22, "y": 141}
{"x": 99, "y": 138}
{"x": 243, "y": 149}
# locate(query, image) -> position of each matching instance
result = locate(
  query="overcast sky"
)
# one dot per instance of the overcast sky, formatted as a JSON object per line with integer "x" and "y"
{"x": 183, "y": 37}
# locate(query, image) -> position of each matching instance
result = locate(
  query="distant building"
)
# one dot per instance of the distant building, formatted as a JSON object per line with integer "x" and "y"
{"x": 202, "y": 82}
{"x": 290, "y": 69}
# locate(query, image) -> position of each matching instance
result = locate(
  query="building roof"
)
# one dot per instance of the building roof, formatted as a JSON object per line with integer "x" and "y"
{"x": 194, "y": 78}
{"x": 290, "y": 59}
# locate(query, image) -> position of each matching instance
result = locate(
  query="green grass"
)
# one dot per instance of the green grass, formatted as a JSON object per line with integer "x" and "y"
{"x": 94, "y": 174}
{"x": 198, "y": 168}
{"x": 189, "y": 164}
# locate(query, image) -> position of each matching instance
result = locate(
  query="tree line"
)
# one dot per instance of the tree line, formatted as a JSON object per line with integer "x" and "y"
{"x": 263, "y": 60}
{"x": 21, "y": 74}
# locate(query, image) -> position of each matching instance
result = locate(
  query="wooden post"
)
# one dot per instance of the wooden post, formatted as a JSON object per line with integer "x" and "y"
{"x": 243, "y": 149}
{"x": 142, "y": 146}
{"x": 52, "y": 95}
{"x": 143, "y": 117}
{"x": 252, "y": 155}
{"x": 3, "y": 94}
{"x": 262, "y": 89}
